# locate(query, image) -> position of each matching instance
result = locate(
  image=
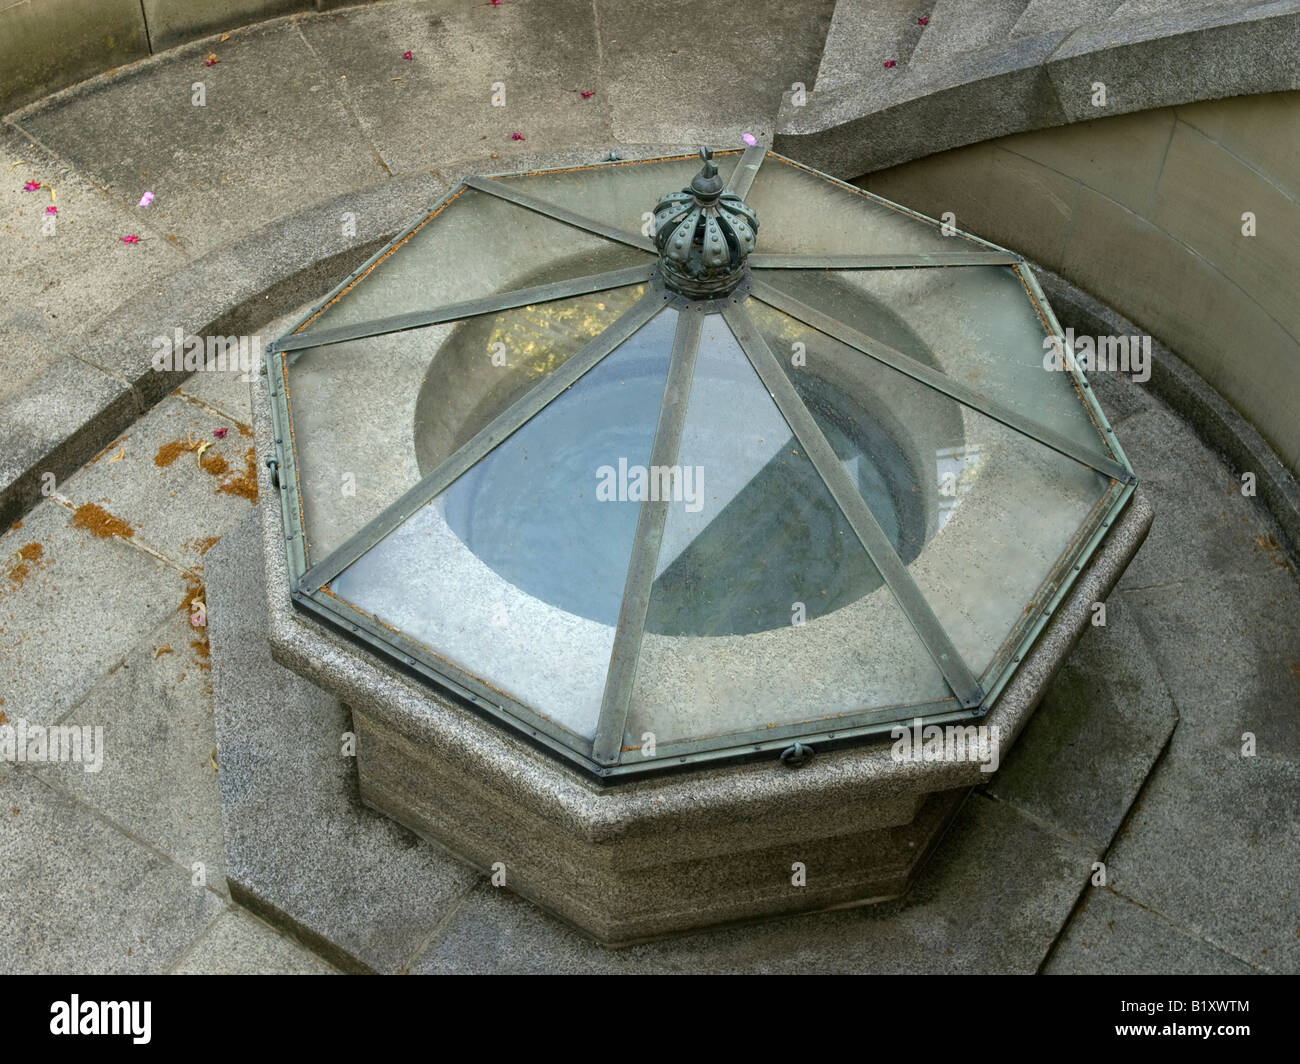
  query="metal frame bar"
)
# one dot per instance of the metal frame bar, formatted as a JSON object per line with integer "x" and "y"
{"x": 469, "y": 308}
{"x": 962, "y": 681}
{"x": 742, "y": 177}
{"x": 342, "y": 287}
{"x": 414, "y": 655}
{"x": 608, "y": 746}
{"x": 1052, "y": 327}
{"x": 940, "y": 382}
{"x": 913, "y": 260}
{"x": 359, "y": 626}
{"x": 1056, "y": 586}
{"x": 498, "y": 429}
{"x": 560, "y": 214}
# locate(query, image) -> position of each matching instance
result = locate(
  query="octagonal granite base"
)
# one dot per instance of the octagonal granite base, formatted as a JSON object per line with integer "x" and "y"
{"x": 647, "y": 858}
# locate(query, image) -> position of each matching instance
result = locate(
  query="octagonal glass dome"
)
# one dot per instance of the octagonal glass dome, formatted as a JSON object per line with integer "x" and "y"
{"x": 664, "y": 462}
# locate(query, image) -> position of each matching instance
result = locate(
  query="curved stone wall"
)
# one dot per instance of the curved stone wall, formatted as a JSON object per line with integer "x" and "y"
{"x": 47, "y": 45}
{"x": 1185, "y": 219}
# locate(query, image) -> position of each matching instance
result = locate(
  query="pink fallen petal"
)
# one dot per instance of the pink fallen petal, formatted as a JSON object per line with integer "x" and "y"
{"x": 749, "y": 139}
{"x": 131, "y": 239}
{"x": 146, "y": 199}
{"x": 587, "y": 94}
{"x": 220, "y": 433}
{"x": 493, "y": 3}
{"x": 51, "y": 209}
{"x": 924, "y": 20}
{"x": 516, "y": 136}
{"x": 407, "y": 55}
{"x": 891, "y": 63}
{"x": 31, "y": 186}
{"x": 211, "y": 60}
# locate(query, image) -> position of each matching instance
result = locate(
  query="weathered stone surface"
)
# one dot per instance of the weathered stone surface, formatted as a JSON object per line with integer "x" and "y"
{"x": 933, "y": 106}
{"x": 81, "y": 898}
{"x": 959, "y": 27}
{"x": 711, "y": 86}
{"x": 1041, "y": 16}
{"x": 864, "y": 34}
{"x": 437, "y": 107}
{"x": 1092, "y": 742}
{"x": 1233, "y": 662}
{"x": 220, "y": 174}
{"x": 173, "y": 21}
{"x": 1217, "y": 526}
{"x": 964, "y": 914}
{"x": 157, "y": 781}
{"x": 72, "y": 609}
{"x": 45, "y": 46}
{"x": 366, "y": 897}
{"x": 1120, "y": 157}
{"x": 1214, "y": 840}
{"x": 1109, "y": 935}
{"x": 60, "y": 271}
{"x": 1177, "y": 56}
{"x": 240, "y": 944}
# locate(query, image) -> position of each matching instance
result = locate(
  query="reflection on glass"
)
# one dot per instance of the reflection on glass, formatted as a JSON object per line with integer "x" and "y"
{"x": 476, "y": 245}
{"x": 975, "y": 324}
{"x": 800, "y": 212}
{"x": 625, "y": 192}
{"x": 992, "y": 511}
{"x": 515, "y": 573}
{"x": 765, "y": 609}
{"x": 373, "y": 416}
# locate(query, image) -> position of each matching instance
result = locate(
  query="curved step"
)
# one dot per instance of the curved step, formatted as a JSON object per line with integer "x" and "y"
{"x": 1176, "y": 56}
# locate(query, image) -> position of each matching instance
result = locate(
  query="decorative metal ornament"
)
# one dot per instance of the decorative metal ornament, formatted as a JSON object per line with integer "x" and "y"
{"x": 704, "y": 234}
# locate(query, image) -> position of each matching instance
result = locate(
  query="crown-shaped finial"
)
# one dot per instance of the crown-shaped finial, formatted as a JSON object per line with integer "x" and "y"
{"x": 704, "y": 234}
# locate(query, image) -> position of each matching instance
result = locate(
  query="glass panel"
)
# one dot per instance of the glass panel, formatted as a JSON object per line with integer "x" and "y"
{"x": 372, "y": 417}
{"x": 476, "y": 245}
{"x": 800, "y": 212}
{"x": 755, "y": 534}
{"x": 515, "y": 573}
{"x": 985, "y": 514}
{"x": 976, "y": 324}
{"x": 620, "y": 194}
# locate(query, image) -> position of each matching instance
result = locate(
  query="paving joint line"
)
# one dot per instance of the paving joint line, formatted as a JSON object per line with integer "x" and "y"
{"x": 342, "y": 97}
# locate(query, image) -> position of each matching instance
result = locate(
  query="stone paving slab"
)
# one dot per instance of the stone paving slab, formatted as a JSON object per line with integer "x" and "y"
{"x": 1216, "y": 527}
{"x": 157, "y": 782}
{"x": 273, "y": 137}
{"x": 74, "y": 612}
{"x": 82, "y": 898}
{"x": 1042, "y": 16}
{"x": 59, "y": 271}
{"x": 864, "y": 34}
{"x": 63, "y": 419}
{"x": 178, "y": 500}
{"x": 240, "y": 944}
{"x": 362, "y": 890}
{"x": 438, "y": 105}
{"x": 223, "y": 392}
{"x": 958, "y": 27}
{"x": 1231, "y": 652}
{"x": 1177, "y": 55}
{"x": 1213, "y": 844}
{"x": 665, "y": 84}
{"x": 1109, "y": 935}
{"x": 1093, "y": 740}
{"x": 991, "y": 899}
